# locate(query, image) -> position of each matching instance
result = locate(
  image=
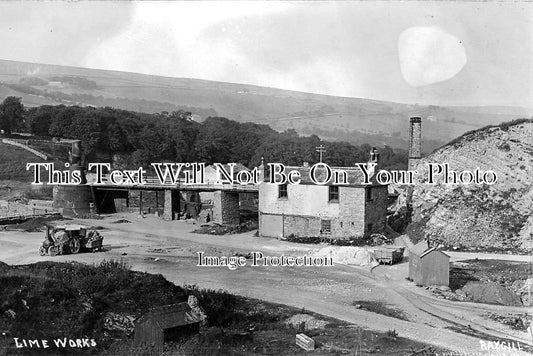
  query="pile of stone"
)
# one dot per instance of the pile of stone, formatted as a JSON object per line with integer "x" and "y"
{"x": 479, "y": 292}
{"x": 119, "y": 322}
{"x": 444, "y": 292}
{"x": 516, "y": 321}
{"x": 305, "y": 322}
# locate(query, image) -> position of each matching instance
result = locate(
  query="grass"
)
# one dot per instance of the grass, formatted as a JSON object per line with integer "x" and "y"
{"x": 13, "y": 163}
{"x": 58, "y": 151}
{"x": 52, "y": 300}
{"x": 365, "y": 240}
{"x": 504, "y": 126}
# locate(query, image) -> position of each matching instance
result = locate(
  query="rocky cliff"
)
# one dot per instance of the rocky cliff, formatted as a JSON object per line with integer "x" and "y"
{"x": 479, "y": 216}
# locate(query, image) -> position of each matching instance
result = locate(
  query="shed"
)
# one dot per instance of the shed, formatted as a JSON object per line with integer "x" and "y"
{"x": 429, "y": 266}
{"x": 166, "y": 323}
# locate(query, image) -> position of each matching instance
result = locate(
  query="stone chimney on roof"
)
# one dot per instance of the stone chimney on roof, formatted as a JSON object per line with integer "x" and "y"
{"x": 261, "y": 169}
{"x": 374, "y": 155}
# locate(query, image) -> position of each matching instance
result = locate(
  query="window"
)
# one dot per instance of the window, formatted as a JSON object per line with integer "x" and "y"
{"x": 282, "y": 191}
{"x": 325, "y": 227}
{"x": 369, "y": 228}
{"x": 333, "y": 193}
{"x": 368, "y": 193}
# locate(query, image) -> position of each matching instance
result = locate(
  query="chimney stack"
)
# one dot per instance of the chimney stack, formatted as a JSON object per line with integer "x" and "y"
{"x": 374, "y": 155}
{"x": 76, "y": 160}
{"x": 415, "y": 134}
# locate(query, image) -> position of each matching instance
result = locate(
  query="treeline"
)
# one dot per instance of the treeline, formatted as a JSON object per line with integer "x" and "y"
{"x": 141, "y": 138}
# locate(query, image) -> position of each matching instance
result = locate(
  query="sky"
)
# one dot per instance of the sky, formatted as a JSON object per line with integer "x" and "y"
{"x": 442, "y": 53}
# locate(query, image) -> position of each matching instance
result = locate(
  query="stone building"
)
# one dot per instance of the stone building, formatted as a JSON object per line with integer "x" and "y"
{"x": 428, "y": 265}
{"x": 329, "y": 210}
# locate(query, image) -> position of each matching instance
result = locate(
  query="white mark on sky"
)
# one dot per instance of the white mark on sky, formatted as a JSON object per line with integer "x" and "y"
{"x": 429, "y": 55}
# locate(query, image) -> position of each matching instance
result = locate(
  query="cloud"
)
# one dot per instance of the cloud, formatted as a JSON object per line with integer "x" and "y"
{"x": 168, "y": 39}
{"x": 57, "y": 32}
{"x": 341, "y": 48}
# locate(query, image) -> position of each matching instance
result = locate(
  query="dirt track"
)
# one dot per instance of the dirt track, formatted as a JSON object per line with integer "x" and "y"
{"x": 169, "y": 248}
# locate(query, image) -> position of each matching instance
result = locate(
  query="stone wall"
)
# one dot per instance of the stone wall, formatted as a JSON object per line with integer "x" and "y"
{"x": 376, "y": 209}
{"x": 226, "y": 207}
{"x": 301, "y": 225}
{"x": 303, "y": 199}
{"x": 307, "y": 205}
{"x": 172, "y": 204}
{"x": 73, "y": 200}
{"x": 26, "y": 147}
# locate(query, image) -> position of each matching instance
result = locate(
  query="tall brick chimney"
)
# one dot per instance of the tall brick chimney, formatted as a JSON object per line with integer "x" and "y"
{"x": 415, "y": 134}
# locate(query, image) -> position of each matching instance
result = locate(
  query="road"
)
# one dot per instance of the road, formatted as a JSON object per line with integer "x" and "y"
{"x": 169, "y": 248}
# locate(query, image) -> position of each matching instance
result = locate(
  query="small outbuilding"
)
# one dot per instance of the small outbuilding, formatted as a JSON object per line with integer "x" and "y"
{"x": 428, "y": 265}
{"x": 166, "y": 323}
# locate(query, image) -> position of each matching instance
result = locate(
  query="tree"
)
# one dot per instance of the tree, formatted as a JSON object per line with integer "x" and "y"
{"x": 11, "y": 114}
{"x": 39, "y": 119}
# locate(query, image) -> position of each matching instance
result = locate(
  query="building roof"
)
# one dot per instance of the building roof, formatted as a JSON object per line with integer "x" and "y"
{"x": 237, "y": 168}
{"x": 355, "y": 176}
{"x": 422, "y": 249}
{"x": 428, "y": 251}
{"x": 170, "y": 316}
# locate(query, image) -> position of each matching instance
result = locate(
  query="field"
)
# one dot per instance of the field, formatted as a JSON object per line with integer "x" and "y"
{"x": 13, "y": 163}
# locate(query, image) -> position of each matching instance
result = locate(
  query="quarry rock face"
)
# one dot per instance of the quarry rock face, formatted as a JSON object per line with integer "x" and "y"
{"x": 491, "y": 293}
{"x": 497, "y": 216}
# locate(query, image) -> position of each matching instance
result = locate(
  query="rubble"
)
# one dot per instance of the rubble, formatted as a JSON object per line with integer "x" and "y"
{"x": 10, "y": 313}
{"x": 121, "y": 221}
{"x": 490, "y": 293}
{"x": 306, "y": 322}
{"x": 119, "y": 322}
{"x": 197, "y": 309}
{"x": 515, "y": 321}
{"x": 473, "y": 217}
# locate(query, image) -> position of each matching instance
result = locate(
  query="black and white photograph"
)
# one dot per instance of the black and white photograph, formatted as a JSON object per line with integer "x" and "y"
{"x": 208, "y": 178}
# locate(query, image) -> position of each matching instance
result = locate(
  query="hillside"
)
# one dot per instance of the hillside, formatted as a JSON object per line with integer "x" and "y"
{"x": 74, "y": 301}
{"x": 498, "y": 216}
{"x": 334, "y": 118}
{"x": 13, "y": 163}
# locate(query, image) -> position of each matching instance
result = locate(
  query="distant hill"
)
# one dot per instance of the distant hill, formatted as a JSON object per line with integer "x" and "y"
{"x": 475, "y": 216}
{"x": 333, "y": 118}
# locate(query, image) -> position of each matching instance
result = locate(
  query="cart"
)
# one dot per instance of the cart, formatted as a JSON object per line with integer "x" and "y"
{"x": 388, "y": 254}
